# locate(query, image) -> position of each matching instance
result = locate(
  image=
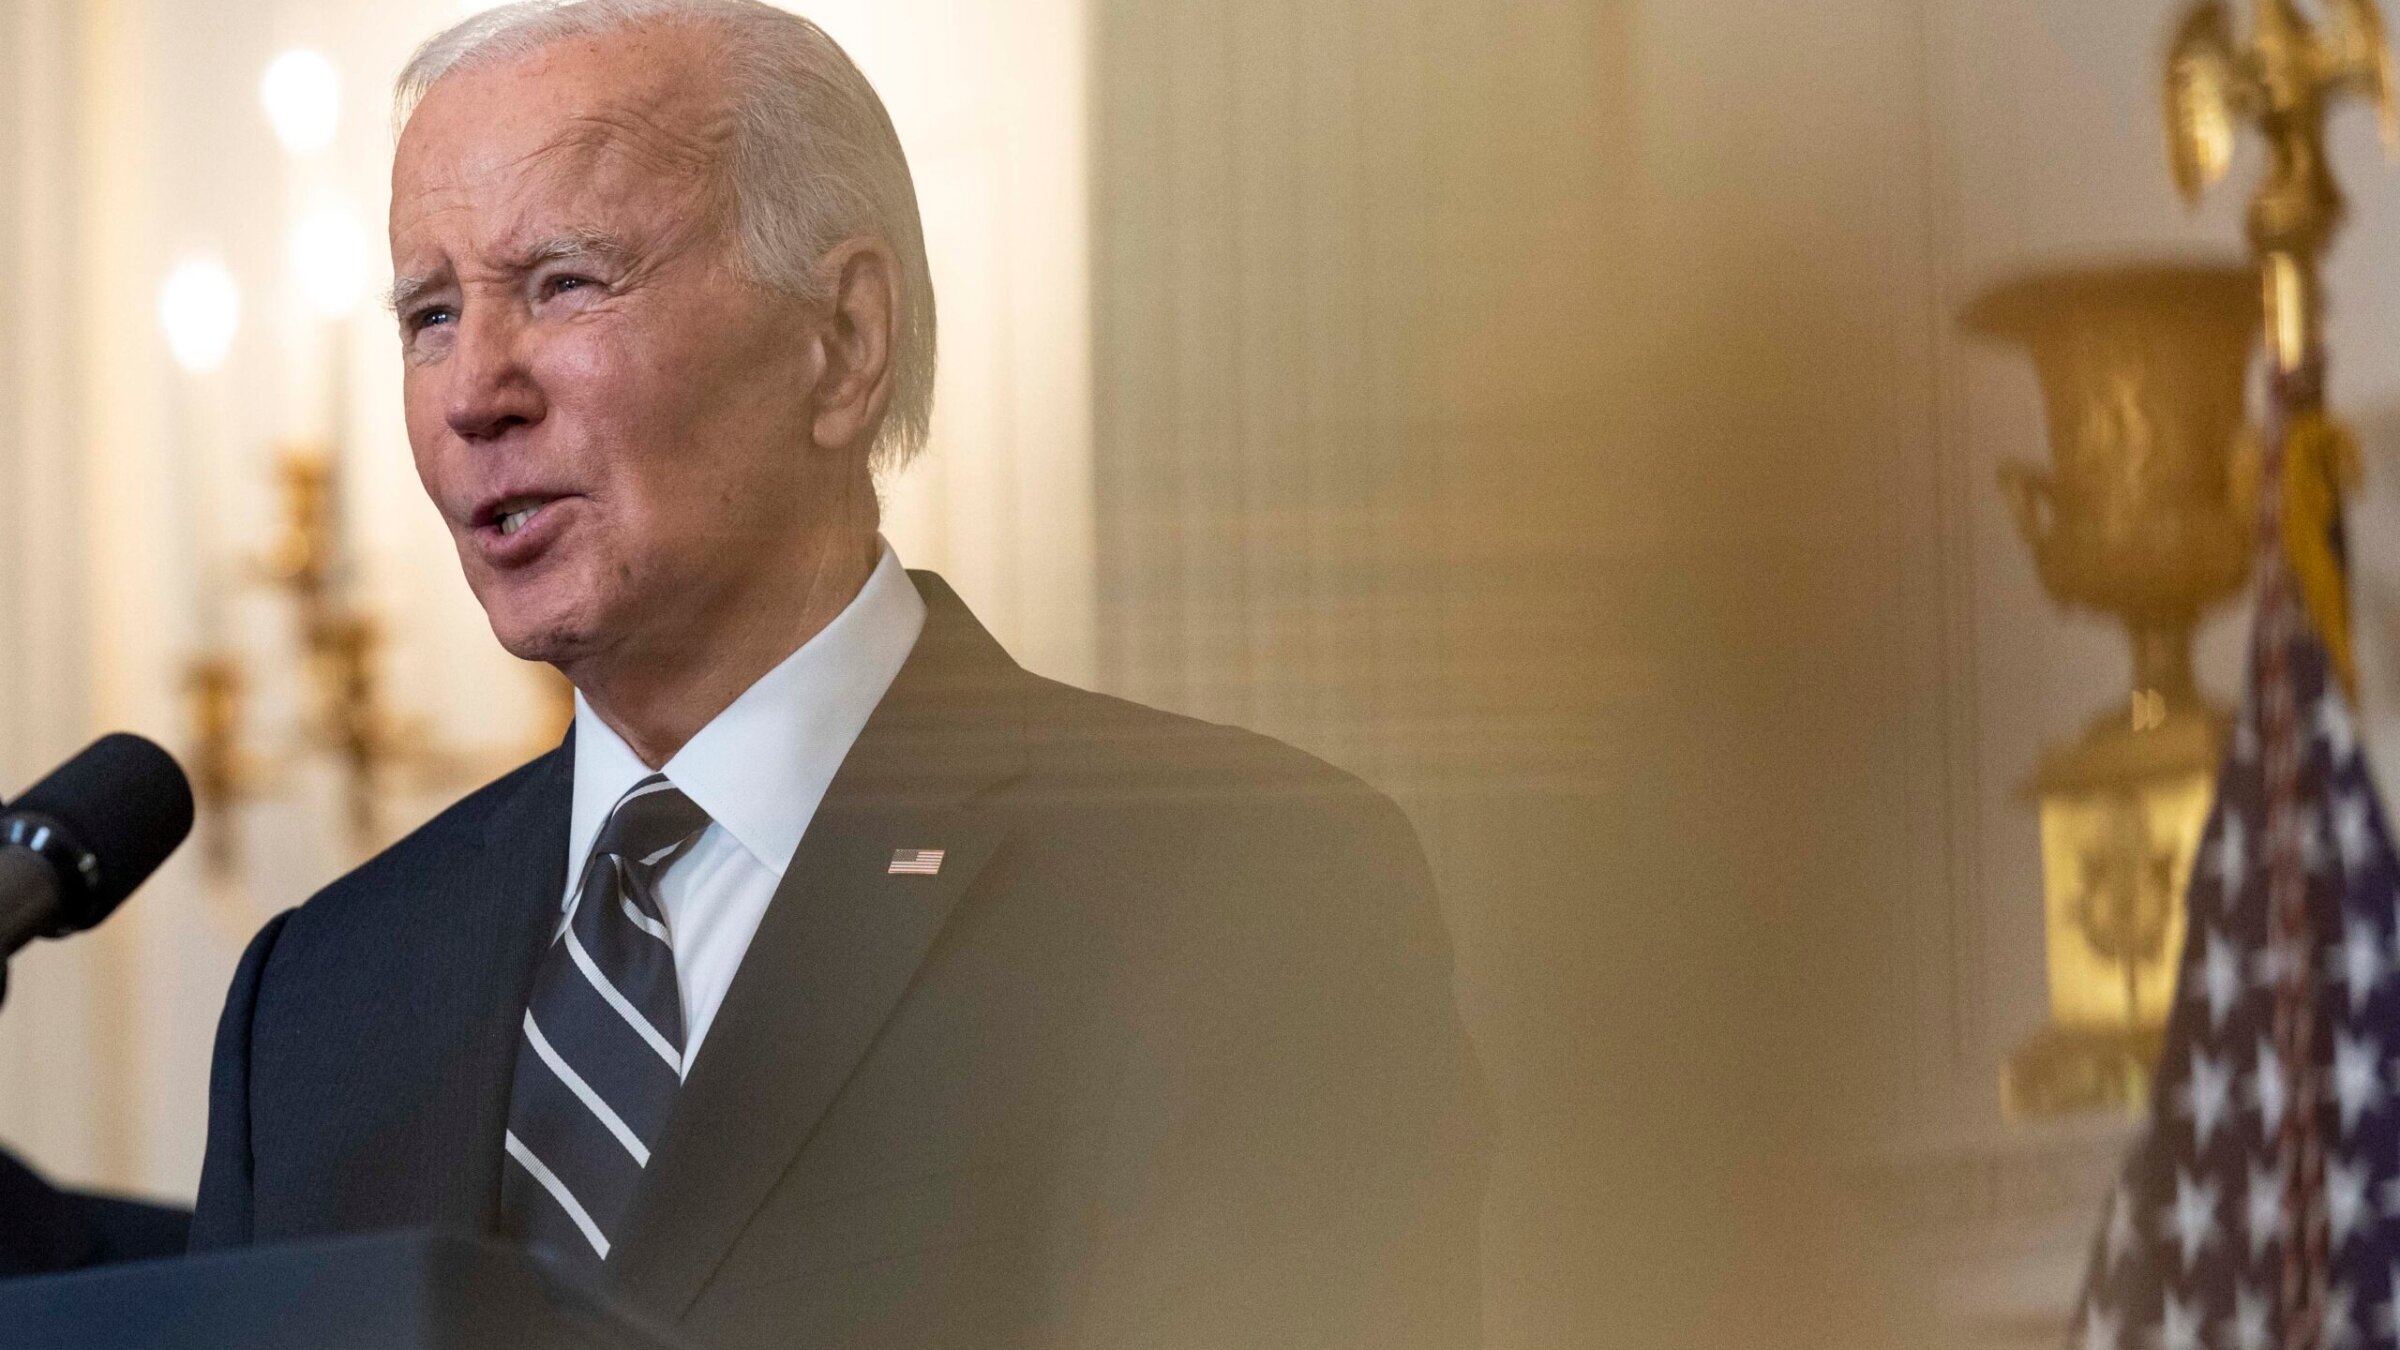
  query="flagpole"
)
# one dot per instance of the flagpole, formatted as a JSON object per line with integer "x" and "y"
{"x": 2282, "y": 80}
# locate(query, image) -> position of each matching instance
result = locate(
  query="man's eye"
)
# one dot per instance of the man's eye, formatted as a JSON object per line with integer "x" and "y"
{"x": 431, "y": 315}
{"x": 559, "y": 284}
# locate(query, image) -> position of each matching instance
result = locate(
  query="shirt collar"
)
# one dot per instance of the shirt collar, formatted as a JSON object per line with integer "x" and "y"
{"x": 761, "y": 767}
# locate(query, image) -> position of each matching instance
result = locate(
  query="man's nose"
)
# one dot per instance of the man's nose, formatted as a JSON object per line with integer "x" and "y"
{"x": 492, "y": 389}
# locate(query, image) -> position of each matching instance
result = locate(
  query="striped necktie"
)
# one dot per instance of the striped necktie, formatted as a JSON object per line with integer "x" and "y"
{"x": 600, "y": 1053}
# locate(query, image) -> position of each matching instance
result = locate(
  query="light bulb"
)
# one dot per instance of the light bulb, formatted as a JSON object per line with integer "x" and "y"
{"x": 302, "y": 95}
{"x": 200, "y": 309}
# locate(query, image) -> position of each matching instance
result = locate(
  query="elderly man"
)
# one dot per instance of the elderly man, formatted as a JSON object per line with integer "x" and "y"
{"x": 838, "y": 983}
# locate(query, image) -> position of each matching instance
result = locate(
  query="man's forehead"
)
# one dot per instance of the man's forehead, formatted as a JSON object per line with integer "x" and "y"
{"x": 585, "y": 108}
{"x": 499, "y": 201}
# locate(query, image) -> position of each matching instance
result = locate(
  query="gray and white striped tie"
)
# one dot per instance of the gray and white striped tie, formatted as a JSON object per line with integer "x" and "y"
{"x": 600, "y": 1054}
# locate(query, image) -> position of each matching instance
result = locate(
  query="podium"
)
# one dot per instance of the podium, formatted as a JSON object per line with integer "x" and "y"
{"x": 426, "y": 1290}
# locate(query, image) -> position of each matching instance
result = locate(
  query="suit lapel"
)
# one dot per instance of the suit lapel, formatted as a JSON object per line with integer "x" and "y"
{"x": 516, "y": 885}
{"x": 836, "y": 952}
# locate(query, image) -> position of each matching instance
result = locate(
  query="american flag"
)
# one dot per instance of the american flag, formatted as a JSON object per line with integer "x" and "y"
{"x": 2260, "y": 1209}
{"x": 915, "y": 862}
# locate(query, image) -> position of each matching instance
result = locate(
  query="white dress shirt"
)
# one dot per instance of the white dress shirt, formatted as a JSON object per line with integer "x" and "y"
{"x": 759, "y": 770}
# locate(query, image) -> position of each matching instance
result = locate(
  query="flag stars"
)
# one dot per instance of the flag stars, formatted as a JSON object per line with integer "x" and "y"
{"x": 2354, "y": 832}
{"x": 2220, "y": 980}
{"x": 2271, "y": 964}
{"x": 2249, "y": 1328}
{"x": 2193, "y": 1216}
{"x": 2099, "y": 1329}
{"x": 2268, "y": 1092}
{"x": 2391, "y": 1197}
{"x": 2345, "y": 1198}
{"x": 2262, "y": 1209}
{"x": 2178, "y": 1326}
{"x": 2206, "y": 1097}
{"x": 2189, "y": 1247}
{"x": 2311, "y": 829}
{"x": 2341, "y": 1325}
{"x": 2335, "y": 728}
{"x": 2231, "y": 857}
{"x": 2360, "y": 963}
{"x": 2357, "y": 1077}
{"x": 2387, "y": 1313}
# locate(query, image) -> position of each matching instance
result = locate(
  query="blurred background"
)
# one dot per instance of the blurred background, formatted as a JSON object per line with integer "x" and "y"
{"x": 1557, "y": 411}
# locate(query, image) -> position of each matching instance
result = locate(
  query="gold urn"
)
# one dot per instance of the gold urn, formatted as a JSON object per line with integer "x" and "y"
{"x": 2146, "y": 513}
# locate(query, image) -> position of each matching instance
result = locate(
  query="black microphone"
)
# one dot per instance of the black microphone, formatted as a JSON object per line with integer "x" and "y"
{"x": 78, "y": 842}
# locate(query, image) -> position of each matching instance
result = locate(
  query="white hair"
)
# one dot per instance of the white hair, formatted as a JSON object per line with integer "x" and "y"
{"x": 814, "y": 161}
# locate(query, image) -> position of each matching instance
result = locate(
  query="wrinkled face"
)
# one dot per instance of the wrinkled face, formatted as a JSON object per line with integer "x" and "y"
{"x": 611, "y": 421}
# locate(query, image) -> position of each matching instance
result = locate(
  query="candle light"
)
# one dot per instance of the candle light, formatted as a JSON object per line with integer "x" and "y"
{"x": 199, "y": 312}
{"x": 301, "y": 94}
{"x": 329, "y": 270}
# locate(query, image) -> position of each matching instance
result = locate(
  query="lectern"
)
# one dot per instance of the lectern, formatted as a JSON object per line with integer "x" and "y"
{"x": 396, "y": 1291}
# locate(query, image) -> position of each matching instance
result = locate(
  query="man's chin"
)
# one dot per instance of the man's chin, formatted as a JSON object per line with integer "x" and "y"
{"x": 556, "y": 640}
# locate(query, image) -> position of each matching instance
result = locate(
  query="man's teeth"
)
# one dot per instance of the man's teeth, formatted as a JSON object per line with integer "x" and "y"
{"x": 515, "y": 520}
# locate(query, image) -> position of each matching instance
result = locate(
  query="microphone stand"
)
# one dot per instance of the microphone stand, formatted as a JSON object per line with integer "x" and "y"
{"x": 28, "y": 901}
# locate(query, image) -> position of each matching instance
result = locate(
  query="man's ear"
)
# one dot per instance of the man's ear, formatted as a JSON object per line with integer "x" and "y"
{"x": 860, "y": 329}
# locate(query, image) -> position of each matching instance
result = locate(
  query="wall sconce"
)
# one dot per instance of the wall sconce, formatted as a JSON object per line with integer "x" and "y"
{"x": 349, "y": 717}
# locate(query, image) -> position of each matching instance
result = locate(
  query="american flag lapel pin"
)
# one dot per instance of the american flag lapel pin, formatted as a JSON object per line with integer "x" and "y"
{"x": 915, "y": 862}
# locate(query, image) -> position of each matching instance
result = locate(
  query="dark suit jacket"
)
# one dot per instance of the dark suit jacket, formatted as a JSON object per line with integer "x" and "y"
{"x": 45, "y": 1230}
{"x": 1165, "y": 1055}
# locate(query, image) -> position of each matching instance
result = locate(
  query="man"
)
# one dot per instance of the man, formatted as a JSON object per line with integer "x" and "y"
{"x": 838, "y": 983}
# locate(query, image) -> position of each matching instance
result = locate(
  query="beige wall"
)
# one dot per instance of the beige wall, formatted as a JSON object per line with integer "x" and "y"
{"x": 1480, "y": 406}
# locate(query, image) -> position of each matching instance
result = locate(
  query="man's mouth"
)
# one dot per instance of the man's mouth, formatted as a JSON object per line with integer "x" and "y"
{"x": 515, "y": 514}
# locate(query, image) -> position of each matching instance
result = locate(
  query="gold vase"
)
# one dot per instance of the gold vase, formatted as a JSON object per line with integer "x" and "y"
{"x": 2145, "y": 513}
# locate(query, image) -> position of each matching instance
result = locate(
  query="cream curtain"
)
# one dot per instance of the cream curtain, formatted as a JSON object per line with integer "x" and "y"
{"x": 63, "y": 1047}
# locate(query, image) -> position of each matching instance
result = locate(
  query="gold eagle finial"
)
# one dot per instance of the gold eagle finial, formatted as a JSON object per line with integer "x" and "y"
{"x": 2279, "y": 79}
{"x": 2362, "y": 61}
{"x": 2208, "y": 90}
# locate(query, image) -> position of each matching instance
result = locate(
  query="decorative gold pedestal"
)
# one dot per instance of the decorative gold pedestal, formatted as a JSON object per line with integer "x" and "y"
{"x": 2144, "y": 514}
{"x": 2122, "y": 812}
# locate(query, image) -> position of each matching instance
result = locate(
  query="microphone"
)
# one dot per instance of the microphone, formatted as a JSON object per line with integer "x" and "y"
{"x": 78, "y": 842}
